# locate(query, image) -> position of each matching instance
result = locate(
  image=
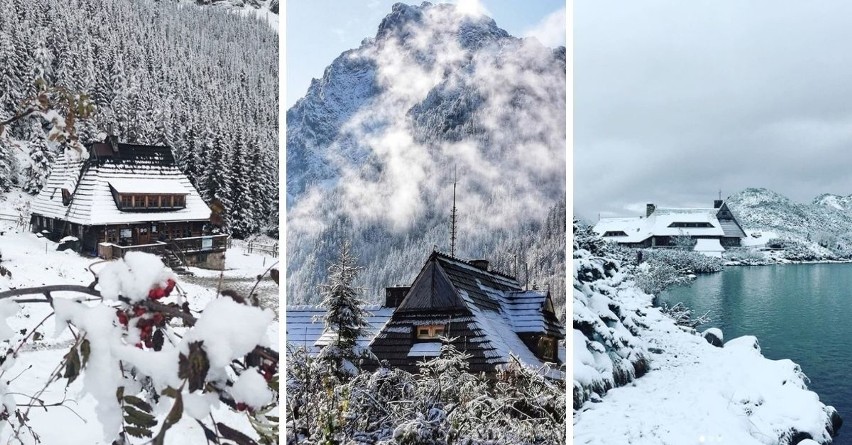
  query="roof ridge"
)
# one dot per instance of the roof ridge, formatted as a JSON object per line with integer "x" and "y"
{"x": 469, "y": 263}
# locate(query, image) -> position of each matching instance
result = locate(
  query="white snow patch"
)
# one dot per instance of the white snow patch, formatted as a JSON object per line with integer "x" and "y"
{"x": 133, "y": 276}
{"x": 251, "y": 388}
{"x": 8, "y": 309}
{"x": 426, "y": 349}
{"x": 230, "y": 330}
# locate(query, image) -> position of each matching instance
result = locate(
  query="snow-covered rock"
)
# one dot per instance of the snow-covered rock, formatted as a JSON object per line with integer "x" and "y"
{"x": 714, "y": 337}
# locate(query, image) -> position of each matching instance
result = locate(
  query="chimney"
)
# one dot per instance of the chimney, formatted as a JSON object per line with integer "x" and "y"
{"x": 649, "y": 209}
{"x": 717, "y": 203}
{"x": 394, "y": 295}
{"x": 480, "y": 264}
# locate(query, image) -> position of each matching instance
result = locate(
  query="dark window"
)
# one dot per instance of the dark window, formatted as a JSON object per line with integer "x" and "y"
{"x": 547, "y": 348}
{"x": 703, "y": 225}
{"x": 615, "y": 233}
{"x": 160, "y": 201}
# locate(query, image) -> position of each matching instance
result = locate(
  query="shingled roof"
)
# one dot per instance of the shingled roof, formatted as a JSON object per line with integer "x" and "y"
{"x": 305, "y": 328}
{"x": 489, "y": 314}
{"x": 122, "y": 165}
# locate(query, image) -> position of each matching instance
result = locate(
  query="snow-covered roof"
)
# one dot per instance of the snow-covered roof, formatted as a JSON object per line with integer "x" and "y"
{"x": 305, "y": 326}
{"x": 497, "y": 328}
{"x": 708, "y": 245}
{"x": 664, "y": 222}
{"x": 132, "y": 167}
{"x": 425, "y": 349}
{"x": 170, "y": 186}
{"x": 487, "y": 313}
{"x": 636, "y": 230}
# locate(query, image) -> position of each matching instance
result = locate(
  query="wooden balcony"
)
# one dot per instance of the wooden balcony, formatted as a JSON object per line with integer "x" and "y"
{"x": 187, "y": 246}
{"x": 202, "y": 244}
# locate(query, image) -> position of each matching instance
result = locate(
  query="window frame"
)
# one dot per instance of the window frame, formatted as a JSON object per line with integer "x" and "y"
{"x": 432, "y": 331}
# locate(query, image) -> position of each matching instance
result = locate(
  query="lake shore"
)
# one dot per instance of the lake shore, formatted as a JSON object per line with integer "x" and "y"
{"x": 691, "y": 391}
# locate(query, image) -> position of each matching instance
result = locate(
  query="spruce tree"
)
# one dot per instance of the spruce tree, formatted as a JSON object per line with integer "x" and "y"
{"x": 345, "y": 316}
{"x": 35, "y": 174}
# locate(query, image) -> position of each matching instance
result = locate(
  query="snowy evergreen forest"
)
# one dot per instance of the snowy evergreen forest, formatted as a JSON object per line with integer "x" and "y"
{"x": 374, "y": 146}
{"x": 201, "y": 80}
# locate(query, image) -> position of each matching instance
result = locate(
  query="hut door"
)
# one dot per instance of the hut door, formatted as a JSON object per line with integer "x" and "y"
{"x": 143, "y": 235}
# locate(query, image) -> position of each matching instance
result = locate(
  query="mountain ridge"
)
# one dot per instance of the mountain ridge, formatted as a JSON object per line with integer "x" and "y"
{"x": 375, "y": 144}
{"x": 826, "y": 221}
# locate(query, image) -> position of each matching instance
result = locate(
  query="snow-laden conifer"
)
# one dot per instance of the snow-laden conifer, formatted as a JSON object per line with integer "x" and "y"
{"x": 345, "y": 318}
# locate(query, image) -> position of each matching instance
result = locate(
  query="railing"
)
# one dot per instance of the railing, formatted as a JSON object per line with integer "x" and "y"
{"x": 195, "y": 244}
{"x": 157, "y": 248}
{"x": 269, "y": 249}
{"x": 181, "y": 246}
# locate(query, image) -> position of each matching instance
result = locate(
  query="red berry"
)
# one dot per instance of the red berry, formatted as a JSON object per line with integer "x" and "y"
{"x": 138, "y": 345}
{"x": 138, "y": 311}
{"x": 156, "y": 293}
{"x": 122, "y": 317}
{"x": 158, "y": 319}
{"x": 170, "y": 285}
{"x": 241, "y": 406}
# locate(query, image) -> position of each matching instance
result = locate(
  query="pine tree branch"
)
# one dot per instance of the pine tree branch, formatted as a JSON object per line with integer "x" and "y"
{"x": 18, "y": 117}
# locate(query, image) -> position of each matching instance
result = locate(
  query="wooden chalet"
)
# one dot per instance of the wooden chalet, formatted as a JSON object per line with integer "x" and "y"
{"x": 711, "y": 229}
{"x": 127, "y": 197}
{"x": 488, "y": 314}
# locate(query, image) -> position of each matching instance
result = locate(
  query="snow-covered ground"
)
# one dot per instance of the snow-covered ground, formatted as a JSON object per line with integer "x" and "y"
{"x": 692, "y": 393}
{"x": 34, "y": 261}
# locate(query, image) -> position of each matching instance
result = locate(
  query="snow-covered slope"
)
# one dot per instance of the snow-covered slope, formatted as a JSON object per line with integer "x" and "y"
{"x": 375, "y": 144}
{"x": 641, "y": 379}
{"x": 824, "y": 225}
{"x": 34, "y": 261}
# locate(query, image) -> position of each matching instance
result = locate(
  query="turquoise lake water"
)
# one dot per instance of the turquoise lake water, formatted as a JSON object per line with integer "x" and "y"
{"x": 801, "y": 312}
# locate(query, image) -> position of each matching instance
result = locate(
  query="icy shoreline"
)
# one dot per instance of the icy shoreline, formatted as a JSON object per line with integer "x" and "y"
{"x": 640, "y": 378}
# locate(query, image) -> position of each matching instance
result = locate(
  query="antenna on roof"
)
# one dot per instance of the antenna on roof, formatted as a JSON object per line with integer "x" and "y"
{"x": 720, "y": 194}
{"x": 453, "y": 216}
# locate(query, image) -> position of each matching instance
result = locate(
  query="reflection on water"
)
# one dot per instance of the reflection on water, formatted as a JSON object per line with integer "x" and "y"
{"x": 800, "y": 312}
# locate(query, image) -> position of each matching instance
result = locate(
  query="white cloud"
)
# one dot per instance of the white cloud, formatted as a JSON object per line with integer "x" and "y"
{"x": 550, "y": 31}
{"x": 472, "y": 8}
{"x": 511, "y": 153}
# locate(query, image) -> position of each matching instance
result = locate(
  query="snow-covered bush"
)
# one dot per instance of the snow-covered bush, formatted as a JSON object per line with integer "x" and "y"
{"x": 682, "y": 315}
{"x": 442, "y": 404}
{"x": 797, "y": 250}
{"x": 148, "y": 360}
{"x": 684, "y": 260}
{"x": 654, "y": 276}
{"x": 746, "y": 256}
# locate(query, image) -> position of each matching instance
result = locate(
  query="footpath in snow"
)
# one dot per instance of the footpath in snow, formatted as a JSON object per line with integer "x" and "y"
{"x": 641, "y": 379}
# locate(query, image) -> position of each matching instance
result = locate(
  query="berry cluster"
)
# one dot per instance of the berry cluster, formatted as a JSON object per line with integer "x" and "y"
{"x": 145, "y": 321}
{"x": 160, "y": 292}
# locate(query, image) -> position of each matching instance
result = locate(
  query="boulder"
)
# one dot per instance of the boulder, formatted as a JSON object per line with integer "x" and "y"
{"x": 714, "y": 336}
{"x": 835, "y": 419}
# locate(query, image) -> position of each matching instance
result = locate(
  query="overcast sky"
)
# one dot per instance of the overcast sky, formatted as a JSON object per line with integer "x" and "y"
{"x": 675, "y": 100}
{"x": 319, "y": 30}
